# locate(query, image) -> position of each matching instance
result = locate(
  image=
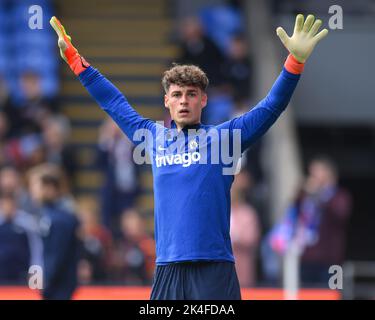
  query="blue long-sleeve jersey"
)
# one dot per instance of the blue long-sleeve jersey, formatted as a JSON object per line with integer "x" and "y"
{"x": 191, "y": 199}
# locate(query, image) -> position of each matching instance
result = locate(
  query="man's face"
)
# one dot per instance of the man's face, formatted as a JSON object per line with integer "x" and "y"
{"x": 8, "y": 207}
{"x": 9, "y": 180}
{"x": 36, "y": 189}
{"x": 320, "y": 176}
{"x": 185, "y": 104}
{"x": 41, "y": 193}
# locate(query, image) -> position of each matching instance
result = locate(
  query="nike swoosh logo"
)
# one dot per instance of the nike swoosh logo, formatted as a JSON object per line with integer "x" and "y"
{"x": 84, "y": 63}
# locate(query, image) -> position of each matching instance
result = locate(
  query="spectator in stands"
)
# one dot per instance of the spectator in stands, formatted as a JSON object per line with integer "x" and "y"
{"x": 59, "y": 231}
{"x": 258, "y": 191}
{"x": 14, "y": 246}
{"x": 8, "y": 111}
{"x": 196, "y": 48}
{"x": 11, "y": 181}
{"x": 245, "y": 232}
{"x": 316, "y": 221}
{"x": 56, "y": 130}
{"x": 20, "y": 244}
{"x": 25, "y": 152}
{"x": 135, "y": 254}
{"x": 97, "y": 244}
{"x": 238, "y": 70}
{"x": 66, "y": 200}
{"x": 22, "y": 144}
{"x": 34, "y": 107}
{"x": 120, "y": 187}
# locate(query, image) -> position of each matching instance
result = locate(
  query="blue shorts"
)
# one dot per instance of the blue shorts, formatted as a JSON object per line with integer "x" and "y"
{"x": 206, "y": 280}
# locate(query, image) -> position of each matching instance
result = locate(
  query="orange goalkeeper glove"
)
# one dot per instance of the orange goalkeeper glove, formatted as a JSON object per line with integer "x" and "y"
{"x": 67, "y": 51}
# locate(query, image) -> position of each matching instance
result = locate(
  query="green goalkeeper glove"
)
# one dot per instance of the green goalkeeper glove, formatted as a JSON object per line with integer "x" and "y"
{"x": 67, "y": 51}
{"x": 304, "y": 38}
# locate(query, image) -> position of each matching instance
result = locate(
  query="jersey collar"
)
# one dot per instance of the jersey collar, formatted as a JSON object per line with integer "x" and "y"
{"x": 190, "y": 126}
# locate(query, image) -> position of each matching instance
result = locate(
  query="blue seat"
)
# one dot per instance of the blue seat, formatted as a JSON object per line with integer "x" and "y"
{"x": 21, "y": 16}
{"x": 36, "y": 58}
{"x": 221, "y": 23}
{"x": 33, "y": 38}
{"x": 29, "y": 49}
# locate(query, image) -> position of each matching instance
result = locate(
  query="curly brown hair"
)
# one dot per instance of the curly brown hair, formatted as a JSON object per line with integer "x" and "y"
{"x": 185, "y": 75}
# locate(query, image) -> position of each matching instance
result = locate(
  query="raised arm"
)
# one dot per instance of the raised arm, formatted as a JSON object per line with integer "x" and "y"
{"x": 101, "y": 89}
{"x": 259, "y": 119}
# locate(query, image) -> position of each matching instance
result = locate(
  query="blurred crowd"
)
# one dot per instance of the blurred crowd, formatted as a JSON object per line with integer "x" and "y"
{"x": 76, "y": 240}
{"x": 106, "y": 240}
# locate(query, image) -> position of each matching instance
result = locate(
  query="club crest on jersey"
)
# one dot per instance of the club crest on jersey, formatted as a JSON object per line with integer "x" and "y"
{"x": 193, "y": 145}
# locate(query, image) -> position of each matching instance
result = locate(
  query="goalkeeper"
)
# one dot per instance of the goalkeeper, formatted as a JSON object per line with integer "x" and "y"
{"x": 192, "y": 201}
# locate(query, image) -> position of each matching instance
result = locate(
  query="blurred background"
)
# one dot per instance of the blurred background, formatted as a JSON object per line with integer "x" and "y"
{"x": 304, "y": 198}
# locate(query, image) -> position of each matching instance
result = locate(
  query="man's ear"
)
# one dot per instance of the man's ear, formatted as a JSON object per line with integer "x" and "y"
{"x": 166, "y": 100}
{"x": 204, "y": 99}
